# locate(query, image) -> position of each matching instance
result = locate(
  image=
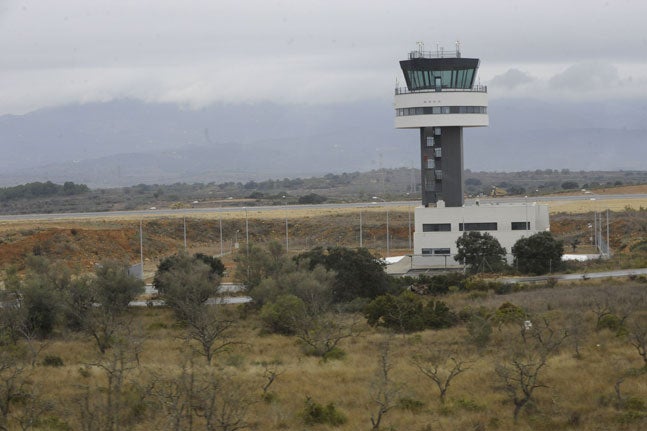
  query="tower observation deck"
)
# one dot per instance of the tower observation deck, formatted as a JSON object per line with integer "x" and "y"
{"x": 440, "y": 99}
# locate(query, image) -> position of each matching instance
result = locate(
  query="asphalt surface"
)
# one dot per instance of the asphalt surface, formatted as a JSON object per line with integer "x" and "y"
{"x": 164, "y": 212}
{"x": 580, "y": 276}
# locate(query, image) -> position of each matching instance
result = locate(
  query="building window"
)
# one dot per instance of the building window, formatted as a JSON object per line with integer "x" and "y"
{"x": 430, "y": 141}
{"x": 437, "y": 131}
{"x": 431, "y": 163}
{"x": 430, "y": 181}
{"x": 436, "y": 251}
{"x": 439, "y": 174}
{"x": 477, "y": 226}
{"x": 444, "y": 109}
{"x": 520, "y": 225}
{"x": 436, "y": 227}
{"x": 438, "y": 152}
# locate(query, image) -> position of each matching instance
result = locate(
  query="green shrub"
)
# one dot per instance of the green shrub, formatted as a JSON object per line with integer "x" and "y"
{"x": 613, "y": 323}
{"x": 407, "y": 312}
{"x": 479, "y": 331}
{"x": 414, "y": 406}
{"x": 403, "y": 313}
{"x": 314, "y": 413}
{"x": 52, "y": 361}
{"x": 509, "y": 313}
{"x": 469, "y": 405}
{"x": 438, "y": 315}
{"x": 281, "y": 315}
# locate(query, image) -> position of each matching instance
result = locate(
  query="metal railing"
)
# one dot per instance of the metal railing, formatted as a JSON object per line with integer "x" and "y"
{"x": 474, "y": 89}
{"x": 438, "y": 53}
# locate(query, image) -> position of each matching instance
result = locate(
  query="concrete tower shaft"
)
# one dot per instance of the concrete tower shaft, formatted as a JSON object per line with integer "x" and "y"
{"x": 440, "y": 99}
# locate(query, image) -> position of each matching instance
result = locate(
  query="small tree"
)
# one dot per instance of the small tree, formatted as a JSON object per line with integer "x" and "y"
{"x": 638, "y": 339}
{"x": 441, "y": 368}
{"x": 185, "y": 283}
{"x": 359, "y": 273}
{"x": 384, "y": 391}
{"x": 112, "y": 290}
{"x": 480, "y": 252}
{"x": 522, "y": 367}
{"x": 259, "y": 263}
{"x": 210, "y": 326}
{"x": 538, "y": 254}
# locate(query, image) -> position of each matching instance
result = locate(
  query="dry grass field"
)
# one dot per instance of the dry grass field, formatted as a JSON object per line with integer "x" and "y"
{"x": 604, "y": 388}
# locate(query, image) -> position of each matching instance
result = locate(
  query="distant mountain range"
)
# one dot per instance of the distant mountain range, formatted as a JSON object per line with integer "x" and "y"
{"x": 128, "y": 142}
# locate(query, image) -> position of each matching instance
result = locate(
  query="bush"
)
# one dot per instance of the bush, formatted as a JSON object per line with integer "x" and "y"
{"x": 359, "y": 273}
{"x": 410, "y": 404}
{"x": 479, "y": 331}
{"x": 52, "y": 361}
{"x": 538, "y": 254}
{"x": 281, "y": 315}
{"x": 408, "y": 313}
{"x": 437, "y": 315}
{"x": 403, "y": 313}
{"x": 613, "y": 323}
{"x": 509, "y": 313}
{"x": 315, "y": 413}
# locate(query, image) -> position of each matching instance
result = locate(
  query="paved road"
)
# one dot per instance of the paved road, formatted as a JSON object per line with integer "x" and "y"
{"x": 193, "y": 211}
{"x": 189, "y": 211}
{"x": 580, "y": 276}
{"x": 553, "y": 198}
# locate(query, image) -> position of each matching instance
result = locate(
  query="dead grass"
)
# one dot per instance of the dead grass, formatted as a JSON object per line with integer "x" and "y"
{"x": 577, "y": 390}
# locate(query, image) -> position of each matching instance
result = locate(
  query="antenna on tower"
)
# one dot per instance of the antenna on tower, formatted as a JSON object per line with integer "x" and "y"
{"x": 421, "y": 47}
{"x": 458, "y": 49}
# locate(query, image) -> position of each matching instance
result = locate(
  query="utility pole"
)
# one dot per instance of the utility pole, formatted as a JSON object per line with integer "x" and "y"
{"x": 184, "y": 233}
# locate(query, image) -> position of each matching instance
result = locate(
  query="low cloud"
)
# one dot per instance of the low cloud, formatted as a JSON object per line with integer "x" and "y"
{"x": 586, "y": 76}
{"x": 511, "y": 79}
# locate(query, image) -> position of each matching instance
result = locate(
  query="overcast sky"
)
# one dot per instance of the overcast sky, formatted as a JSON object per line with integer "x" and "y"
{"x": 198, "y": 52}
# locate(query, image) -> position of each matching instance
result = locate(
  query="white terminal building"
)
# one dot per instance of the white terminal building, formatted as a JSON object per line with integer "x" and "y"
{"x": 440, "y": 99}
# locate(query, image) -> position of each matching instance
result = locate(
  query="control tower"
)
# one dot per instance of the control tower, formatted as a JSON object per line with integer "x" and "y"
{"x": 440, "y": 99}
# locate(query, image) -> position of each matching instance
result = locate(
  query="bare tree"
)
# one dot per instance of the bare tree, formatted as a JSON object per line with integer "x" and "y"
{"x": 222, "y": 402}
{"x": 112, "y": 289}
{"x": 211, "y": 327}
{"x": 270, "y": 374}
{"x": 638, "y": 338}
{"x": 441, "y": 367}
{"x": 173, "y": 396}
{"x": 13, "y": 386}
{"x": 321, "y": 334}
{"x": 103, "y": 407}
{"x": 33, "y": 408}
{"x": 384, "y": 391}
{"x": 521, "y": 369}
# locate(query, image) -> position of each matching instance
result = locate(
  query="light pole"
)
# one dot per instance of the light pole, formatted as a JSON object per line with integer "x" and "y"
{"x": 220, "y": 222}
{"x": 361, "y": 244}
{"x": 247, "y": 234}
{"x": 526, "y": 203}
{"x": 247, "y": 242}
{"x": 409, "y": 217}
{"x": 388, "y": 244}
{"x": 141, "y": 246}
{"x": 184, "y": 233}
{"x": 287, "y": 237}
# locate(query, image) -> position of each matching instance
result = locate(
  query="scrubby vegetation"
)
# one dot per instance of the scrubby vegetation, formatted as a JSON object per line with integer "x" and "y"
{"x": 461, "y": 353}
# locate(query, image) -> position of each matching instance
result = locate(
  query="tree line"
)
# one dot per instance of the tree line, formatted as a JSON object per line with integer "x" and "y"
{"x": 39, "y": 190}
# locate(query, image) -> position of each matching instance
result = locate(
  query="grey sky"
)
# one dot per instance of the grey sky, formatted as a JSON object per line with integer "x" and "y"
{"x": 197, "y": 52}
